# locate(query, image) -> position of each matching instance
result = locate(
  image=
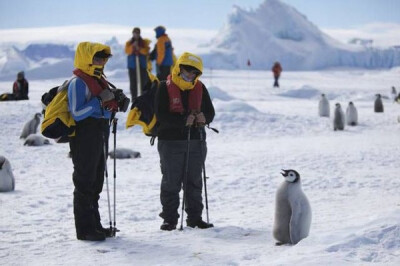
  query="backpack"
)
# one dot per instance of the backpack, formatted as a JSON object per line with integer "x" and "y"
{"x": 58, "y": 122}
{"x": 142, "y": 112}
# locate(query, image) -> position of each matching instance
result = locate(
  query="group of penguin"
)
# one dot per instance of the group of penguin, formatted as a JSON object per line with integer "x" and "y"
{"x": 339, "y": 117}
{"x": 7, "y": 180}
{"x": 29, "y": 132}
{"x": 351, "y": 116}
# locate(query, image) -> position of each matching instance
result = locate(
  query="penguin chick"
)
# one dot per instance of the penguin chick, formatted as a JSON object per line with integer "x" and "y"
{"x": 292, "y": 210}
{"x": 323, "y": 106}
{"x": 351, "y": 115}
{"x": 338, "y": 118}
{"x": 378, "y": 105}
{"x": 36, "y": 140}
{"x": 31, "y": 126}
{"x": 7, "y": 180}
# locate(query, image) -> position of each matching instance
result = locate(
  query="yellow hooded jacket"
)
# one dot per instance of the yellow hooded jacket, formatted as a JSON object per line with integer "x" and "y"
{"x": 135, "y": 116}
{"x": 190, "y": 60}
{"x": 58, "y": 121}
{"x": 84, "y": 57}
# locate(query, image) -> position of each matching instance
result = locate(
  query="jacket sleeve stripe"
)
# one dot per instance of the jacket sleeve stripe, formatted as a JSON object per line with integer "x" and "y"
{"x": 77, "y": 113}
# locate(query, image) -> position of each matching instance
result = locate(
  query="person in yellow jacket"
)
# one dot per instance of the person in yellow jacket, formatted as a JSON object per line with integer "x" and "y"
{"x": 91, "y": 104}
{"x": 162, "y": 53}
{"x": 137, "y": 47}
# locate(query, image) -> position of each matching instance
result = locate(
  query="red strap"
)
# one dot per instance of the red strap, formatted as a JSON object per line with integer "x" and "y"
{"x": 92, "y": 83}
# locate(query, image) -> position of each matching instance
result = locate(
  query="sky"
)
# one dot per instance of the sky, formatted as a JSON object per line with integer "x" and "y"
{"x": 204, "y": 14}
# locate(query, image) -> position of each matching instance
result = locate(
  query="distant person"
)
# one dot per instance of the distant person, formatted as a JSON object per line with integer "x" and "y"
{"x": 137, "y": 50}
{"x": 162, "y": 53}
{"x": 20, "y": 89}
{"x": 276, "y": 69}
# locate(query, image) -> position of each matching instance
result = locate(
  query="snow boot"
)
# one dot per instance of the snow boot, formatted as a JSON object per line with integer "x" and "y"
{"x": 168, "y": 226}
{"x": 108, "y": 232}
{"x": 92, "y": 236}
{"x": 199, "y": 223}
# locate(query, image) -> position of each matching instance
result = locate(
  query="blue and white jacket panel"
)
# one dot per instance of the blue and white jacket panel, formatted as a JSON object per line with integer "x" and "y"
{"x": 82, "y": 104}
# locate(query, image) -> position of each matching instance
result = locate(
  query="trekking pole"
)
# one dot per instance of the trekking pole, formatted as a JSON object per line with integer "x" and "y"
{"x": 185, "y": 176}
{"x": 138, "y": 77}
{"x": 106, "y": 173}
{"x": 115, "y": 121}
{"x": 202, "y": 141}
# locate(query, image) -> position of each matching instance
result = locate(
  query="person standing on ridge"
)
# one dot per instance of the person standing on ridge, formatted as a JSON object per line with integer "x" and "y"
{"x": 137, "y": 50}
{"x": 276, "y": 70}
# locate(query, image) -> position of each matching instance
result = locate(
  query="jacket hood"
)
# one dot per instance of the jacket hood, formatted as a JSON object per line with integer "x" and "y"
{"x": 190, "y": 60}
{"x": 160, "y": 30}
{"x": 84, "y": 56}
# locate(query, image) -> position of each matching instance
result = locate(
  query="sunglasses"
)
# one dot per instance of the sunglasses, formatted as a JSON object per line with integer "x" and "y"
{"x": 192, "y": 71}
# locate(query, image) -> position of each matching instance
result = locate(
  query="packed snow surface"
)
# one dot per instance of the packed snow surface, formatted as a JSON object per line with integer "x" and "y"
{"x": 351, "y": 179}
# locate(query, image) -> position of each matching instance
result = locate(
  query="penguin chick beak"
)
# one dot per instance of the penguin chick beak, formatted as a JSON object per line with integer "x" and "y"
{"x": 284, "y": 173}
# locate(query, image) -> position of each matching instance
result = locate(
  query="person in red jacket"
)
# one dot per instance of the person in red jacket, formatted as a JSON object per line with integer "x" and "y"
{"x": 21, "y": 87}
{"x": 276, "y": 69}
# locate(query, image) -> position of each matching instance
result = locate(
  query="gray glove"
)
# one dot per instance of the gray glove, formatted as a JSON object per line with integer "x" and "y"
{"x": 200, "y": 119}
{"x": 106, "y": 96}
{"x": 190, "y": 120}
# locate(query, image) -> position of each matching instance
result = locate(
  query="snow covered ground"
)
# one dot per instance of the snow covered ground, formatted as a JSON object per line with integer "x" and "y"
{"x": 351, "y": 179}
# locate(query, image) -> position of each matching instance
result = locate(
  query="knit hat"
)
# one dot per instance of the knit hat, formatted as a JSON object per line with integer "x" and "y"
{"x": 136, "y": 30}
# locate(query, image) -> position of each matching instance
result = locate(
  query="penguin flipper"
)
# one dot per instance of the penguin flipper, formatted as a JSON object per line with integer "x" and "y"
{"x": 294, "y": 225}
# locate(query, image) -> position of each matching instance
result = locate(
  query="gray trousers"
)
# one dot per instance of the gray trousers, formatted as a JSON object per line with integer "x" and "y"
{"x": 172, "y": 161}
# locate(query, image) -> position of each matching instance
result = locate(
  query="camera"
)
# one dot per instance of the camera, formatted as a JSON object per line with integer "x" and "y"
{"x": 121, "y": 99}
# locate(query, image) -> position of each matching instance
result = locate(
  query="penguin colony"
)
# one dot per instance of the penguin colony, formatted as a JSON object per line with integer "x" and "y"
{"x": 351, "y": 116}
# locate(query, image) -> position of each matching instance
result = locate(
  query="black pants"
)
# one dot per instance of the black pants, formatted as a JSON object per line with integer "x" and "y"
{"x": 87, "y": 150}
{"x": 173, "y": 160}
{"x": 276, "y": 84}
{"x": 163, "y": 72}
{"x": 133, "y": 81}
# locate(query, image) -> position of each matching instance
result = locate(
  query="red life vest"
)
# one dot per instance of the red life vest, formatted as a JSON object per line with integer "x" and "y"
{"x": 175, "y": 99}
{"x": 95, "y": 87}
